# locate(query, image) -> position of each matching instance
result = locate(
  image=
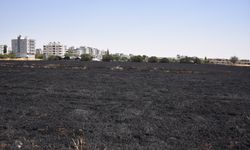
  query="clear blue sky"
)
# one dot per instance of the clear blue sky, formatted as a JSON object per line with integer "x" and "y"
{"x": 212, "y": 28}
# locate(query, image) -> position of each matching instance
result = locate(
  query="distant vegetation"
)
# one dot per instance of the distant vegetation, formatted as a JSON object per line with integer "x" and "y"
{"x": 107, "y": 58}
{"x": 39, "y": 56}
{"x": 86, "y": 57}
{"x": 234, "y": 59}
{"x": 190, "y": 60}
{"x": 153, "y": 59}
{"x": 4, "y": 56}
{"x": 137, "y": 58}
{"x": 164, "y": 60}
{"x": 52, "y": 57}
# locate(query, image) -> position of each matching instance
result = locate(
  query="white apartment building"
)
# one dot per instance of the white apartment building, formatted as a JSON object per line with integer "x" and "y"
{"x": 94, "y": 52}
{"x": 84, "y": 50}
{"x": 55, "y": 49}
{"x": 220, "y": 61}
{"x": 244, "y": 62}
{"x": 24, "y": 48}
{"x": 39, "y": 51}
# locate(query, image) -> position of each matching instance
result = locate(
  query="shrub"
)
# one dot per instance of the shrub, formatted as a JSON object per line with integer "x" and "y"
{"x": 3, "y": 56}
{"x": 136, "y": 58}
{"x": 187, "y": 60}
{"x": 190, "y": 60}
{"x": 145, "y": 58}
{"x": 86, "y": 57}
{"x": 66, "y": 58}
{"x": 197, "y": 60}
{"x": 5, "y": 49}
{"x": 164, "y": 60}
{"x": 116, "y": 57}
{"x": 234, "y": 59}
{"x": 205, "y": 61}
{"x": 124, "y": 59}
{"x": 69, "y": 55}
{"x": 153, "y": 59}
{"x": 39, "y": 56}
{"x": 11, "y": 56}
{"x": 107, "y": 58}
{"x": 52, "y": 57}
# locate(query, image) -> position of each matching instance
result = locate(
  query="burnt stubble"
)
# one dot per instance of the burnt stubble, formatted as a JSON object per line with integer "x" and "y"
{"x": 51, "y": 105}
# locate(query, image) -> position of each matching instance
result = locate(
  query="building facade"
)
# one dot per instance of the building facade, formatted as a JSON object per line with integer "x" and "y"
{"x": 54, "y": 49}
{"x": 94, "y": 52}
{"x": 220, "y": 61}
{"x": 39, "y": 51}
{"x": 243, "y": 62}
{"x": 23, "y": 48}
{"x": 73, "y": 52}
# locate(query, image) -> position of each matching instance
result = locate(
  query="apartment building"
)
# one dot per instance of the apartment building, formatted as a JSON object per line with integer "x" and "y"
{"x": 73, "y": 52}
{"x": 39, "y": 51}
{"x": 220, "y": 61}
{"x": 244, "y": 62}
{"x": 94, "y": 52}
{"x": 55, "y": 49}
{"x": 23, "y": 48}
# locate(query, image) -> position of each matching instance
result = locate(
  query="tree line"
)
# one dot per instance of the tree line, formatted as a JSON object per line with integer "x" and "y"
{"x": 136, "y": 58}
{"x": 153, "y": 59}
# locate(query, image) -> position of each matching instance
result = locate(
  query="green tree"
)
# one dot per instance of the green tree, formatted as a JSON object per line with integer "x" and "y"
{"x": 5, "y": 48}
{"x": 11, "y": 55}
{"x": 66, "y": 58}
{"x": 145, "y": 58}
{"x": 153, "y": 59}
{"x": 196, "y": 60}
{"x": 52, "y": 57}
{"x": 187, "y": 60}
{"x": 164, "y": 60}
{"x": 234, "y": 59}
{"x": 137, "y": 58}
{"x": 206, "y": 61}
{"x": 3, "y": 56}
{"x": 124, "y": 59}
{"x": 86, "y": 57}
{"x": 39, "y": 56}
{"x": 69, "y": 54}
{"x": 116, "y": 57}
{"x": 107, "y": 58}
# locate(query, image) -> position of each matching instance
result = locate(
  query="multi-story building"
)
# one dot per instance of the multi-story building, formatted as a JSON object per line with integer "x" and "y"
{"x": 24, "y": 48}
{"x": 243, "y": 62}
{"x": 39, "y": 51}
{"x": 84, "y": 50}
{"x": 220, "y": 61}
{"x": 73, "y": 52}
{"x": 3, "y": 49}
{"x": 55, "y": 49}
{"x": 94, "y": 52}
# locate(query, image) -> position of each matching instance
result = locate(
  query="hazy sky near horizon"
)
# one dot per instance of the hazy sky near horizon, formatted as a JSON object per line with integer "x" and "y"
{"x": 212, "y": 28}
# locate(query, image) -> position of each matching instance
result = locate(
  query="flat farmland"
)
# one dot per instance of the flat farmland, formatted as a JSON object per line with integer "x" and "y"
{"x": 96, "y": 105}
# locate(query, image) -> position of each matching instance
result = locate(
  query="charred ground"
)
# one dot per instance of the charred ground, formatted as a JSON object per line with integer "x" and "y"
{"x": 47, "y": 105}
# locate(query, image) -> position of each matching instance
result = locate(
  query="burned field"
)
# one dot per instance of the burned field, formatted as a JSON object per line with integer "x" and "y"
{"x": 65, "y": 104}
